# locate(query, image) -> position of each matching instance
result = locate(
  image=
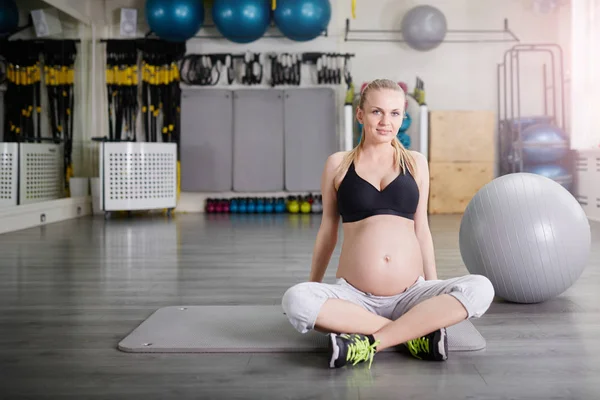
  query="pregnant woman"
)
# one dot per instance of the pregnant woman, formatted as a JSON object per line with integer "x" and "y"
{"x": 387, "y": 291}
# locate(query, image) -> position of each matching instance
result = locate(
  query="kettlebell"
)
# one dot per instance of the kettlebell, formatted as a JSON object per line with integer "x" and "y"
{"x": 293, "y": 206}
{"x": 225, "y": 206}
{"x": 233, "y": 205}
{"x": 218, "y": 206}
{"x": 269, "y": 206}
{"x": 260, "y": 205}
{"x": 210, "y": 206}
{"x": 317, "y": 206}
{"x": 280, "y": 206}
{"x": 305, "y": 206}
{"x": 251, "y": 206}
{"x": 243, "y": 206}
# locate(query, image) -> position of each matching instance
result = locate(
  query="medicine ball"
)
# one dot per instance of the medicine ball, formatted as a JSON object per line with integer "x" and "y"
{"x": 242, "y": 21}
{"x": 175, "y": 20}
{"x": 302, "y": 20}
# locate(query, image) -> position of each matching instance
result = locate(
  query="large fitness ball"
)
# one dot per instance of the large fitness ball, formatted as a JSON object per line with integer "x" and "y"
{"x": 528, "y": 235}
{"x": 242, "y": 21}
{"x": 175, "y": 20}
{"x": 302, "y": 20}
{"x": 543, "y": 143}
{"x": 424, "y": 27}
{"x": 9, "y": 16}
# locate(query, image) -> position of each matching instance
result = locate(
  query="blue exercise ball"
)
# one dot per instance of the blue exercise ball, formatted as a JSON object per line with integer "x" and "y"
{"x": 175, "y": 20}
{"x": 9, "y": 16}
{"x": 557, "y": 173}
{"x": 242, "y": 21}
{"x": 543, "y": 144}
{"x": 302, "y": 20}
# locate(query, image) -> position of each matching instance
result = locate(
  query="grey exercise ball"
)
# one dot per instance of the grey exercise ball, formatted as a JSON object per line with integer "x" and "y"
{"x": 528, "y": 235}
{"x": 424, "y": 27}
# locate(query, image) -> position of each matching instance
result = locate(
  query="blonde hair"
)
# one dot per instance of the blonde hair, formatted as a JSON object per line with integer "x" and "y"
{"x": 402, "y": 157}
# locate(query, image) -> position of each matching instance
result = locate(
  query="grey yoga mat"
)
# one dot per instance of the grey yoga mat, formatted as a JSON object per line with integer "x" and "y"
{"x": 246, "y": 329}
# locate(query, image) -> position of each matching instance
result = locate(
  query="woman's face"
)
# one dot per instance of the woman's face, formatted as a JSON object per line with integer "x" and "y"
{"x": 382, "y": 115}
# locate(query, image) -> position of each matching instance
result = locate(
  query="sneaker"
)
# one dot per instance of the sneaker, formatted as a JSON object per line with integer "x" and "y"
{"x": 354, "y": 348}
{"x": 431, "y": 347}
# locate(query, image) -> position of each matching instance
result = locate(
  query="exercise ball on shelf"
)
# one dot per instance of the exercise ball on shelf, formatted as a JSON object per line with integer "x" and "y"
{"x": 424, "y": 27}
{"x": 556, "y": 172}
{"x": 242, "y": 21}
{"x": 175, "y": 20}
{"x": 9, "y": 16}
{"x": 543, "y": 144}
{"x": 302, "y": 20}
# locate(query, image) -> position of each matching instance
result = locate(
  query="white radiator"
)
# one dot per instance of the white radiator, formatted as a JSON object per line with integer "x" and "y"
{"x": 587, "y": 182}
{"x": 138, "y": 176}
{"x": 9, "y": 170}
{"x": 41, "y": 172}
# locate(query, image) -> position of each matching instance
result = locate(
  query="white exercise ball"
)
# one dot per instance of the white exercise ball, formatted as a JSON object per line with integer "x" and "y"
{"x": 528, "y": 235}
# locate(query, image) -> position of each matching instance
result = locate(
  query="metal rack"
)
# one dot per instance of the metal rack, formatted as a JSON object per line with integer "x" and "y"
{"x": 510, "y": 36}
{"x": 511, "y": 122}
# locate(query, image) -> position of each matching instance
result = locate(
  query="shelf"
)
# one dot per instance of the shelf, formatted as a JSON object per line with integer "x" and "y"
{"x": 504, "y": 35}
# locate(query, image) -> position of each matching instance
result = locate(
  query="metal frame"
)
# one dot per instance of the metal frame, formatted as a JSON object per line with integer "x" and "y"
{"x": 506, "y": 31}
{"x": 509, "y": 93}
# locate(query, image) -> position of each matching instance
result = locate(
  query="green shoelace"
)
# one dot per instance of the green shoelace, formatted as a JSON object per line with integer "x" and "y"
{"x": 418, "y": 345}
{"x": 360, "y": 349}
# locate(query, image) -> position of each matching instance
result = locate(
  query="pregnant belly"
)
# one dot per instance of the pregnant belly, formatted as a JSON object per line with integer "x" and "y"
{"x": 380, "y": 255}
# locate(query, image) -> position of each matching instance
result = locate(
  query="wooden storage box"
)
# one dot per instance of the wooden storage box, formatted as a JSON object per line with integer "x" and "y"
{"x": 461, "y": 158}
{"x": 462, "y": 136}
{"x": 453, "y": 185}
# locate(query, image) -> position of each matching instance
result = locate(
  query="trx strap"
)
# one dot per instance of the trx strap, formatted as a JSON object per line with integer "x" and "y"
{"x": 122, "y": 89}
{"x": 161, "y": 93}
{"x": 59, "y": 74}
{"x": 22, "y": 97}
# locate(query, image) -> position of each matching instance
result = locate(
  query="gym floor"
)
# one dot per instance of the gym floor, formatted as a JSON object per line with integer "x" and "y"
{"x": 69, "y": 292}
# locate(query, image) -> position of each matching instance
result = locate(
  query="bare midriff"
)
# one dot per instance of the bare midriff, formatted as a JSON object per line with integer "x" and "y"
{"x": 380, "y": 255}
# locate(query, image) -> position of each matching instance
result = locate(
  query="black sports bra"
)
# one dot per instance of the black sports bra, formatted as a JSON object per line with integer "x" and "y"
{"x": 358, "y": 199}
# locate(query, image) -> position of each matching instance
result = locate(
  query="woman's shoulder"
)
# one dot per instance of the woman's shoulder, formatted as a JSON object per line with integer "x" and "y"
{"x": 334, "y": 160}
{"x": 419, "y": 157}
{"x": 420, "y": 160}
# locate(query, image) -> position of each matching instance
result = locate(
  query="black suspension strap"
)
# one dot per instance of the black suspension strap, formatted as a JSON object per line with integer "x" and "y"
{"x": 22, "y": 98}
{"x": 122, "y": 89}
{"x": 59, "y": 68}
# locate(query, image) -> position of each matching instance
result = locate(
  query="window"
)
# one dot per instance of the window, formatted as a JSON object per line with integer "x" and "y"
{"x": 585, "y": 74}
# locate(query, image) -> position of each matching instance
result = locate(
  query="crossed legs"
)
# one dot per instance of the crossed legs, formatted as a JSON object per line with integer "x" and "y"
{"x": 425, "y": 307}
{"x": 430, "y": 315}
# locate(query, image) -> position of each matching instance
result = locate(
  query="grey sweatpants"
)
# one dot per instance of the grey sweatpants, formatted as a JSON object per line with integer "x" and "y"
{"x": 302, "y": 302}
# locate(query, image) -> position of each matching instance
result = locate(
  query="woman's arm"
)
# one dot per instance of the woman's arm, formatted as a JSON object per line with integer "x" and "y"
{"x": 421, "y": 221}
{"x": 328, "y": 231}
